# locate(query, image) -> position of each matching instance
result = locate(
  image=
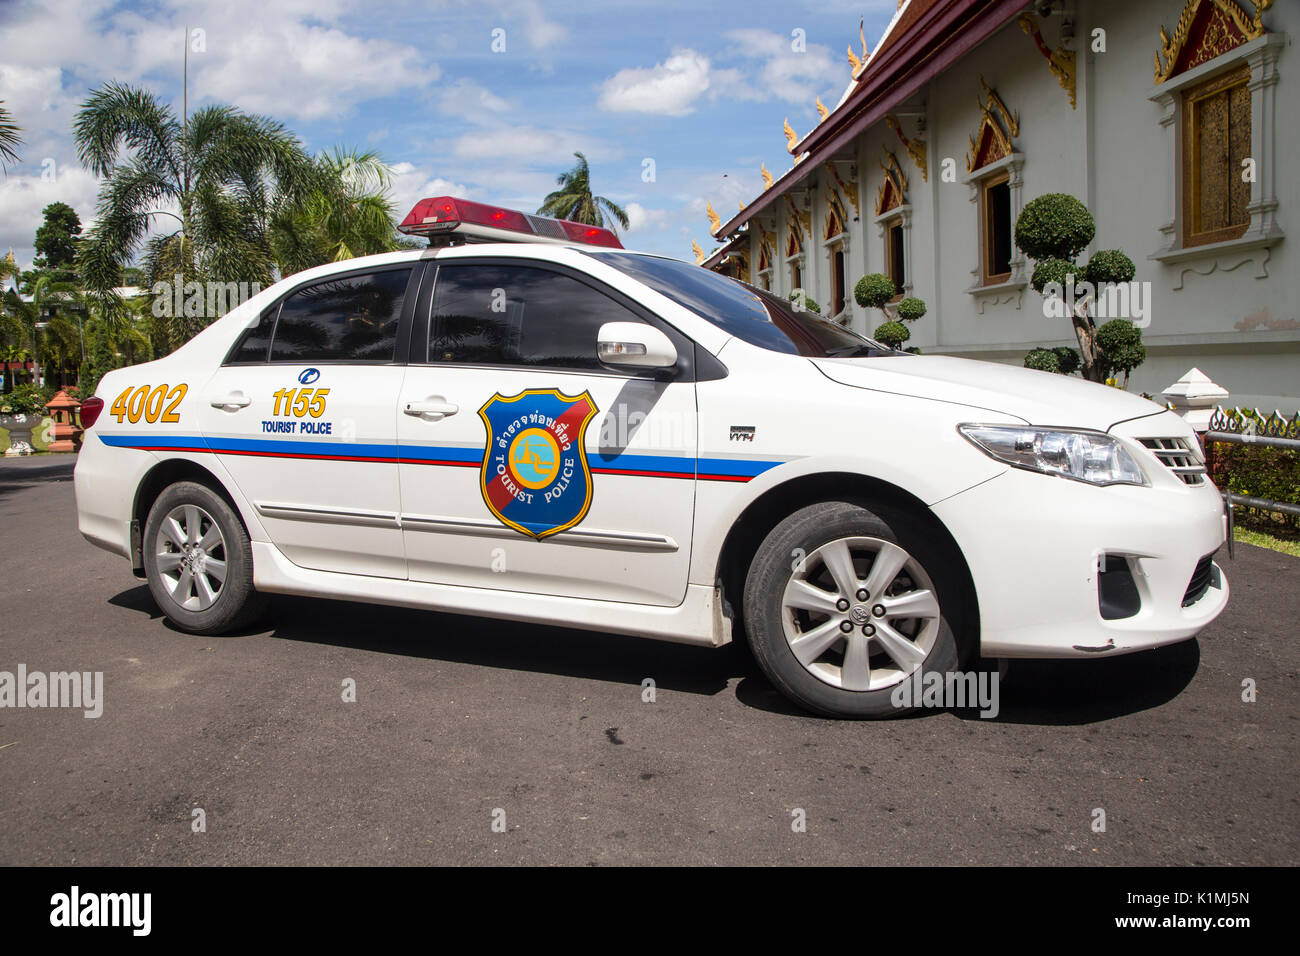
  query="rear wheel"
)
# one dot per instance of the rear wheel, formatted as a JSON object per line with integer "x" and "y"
{"x": 198, "y": 560}
{"x": 842, "y": 604}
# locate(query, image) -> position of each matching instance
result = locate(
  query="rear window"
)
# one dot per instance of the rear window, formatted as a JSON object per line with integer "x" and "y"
{"x": 750, "y": 314}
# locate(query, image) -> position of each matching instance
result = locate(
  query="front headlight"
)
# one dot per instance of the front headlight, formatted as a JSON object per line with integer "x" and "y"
{"x": 1082, "y": 455}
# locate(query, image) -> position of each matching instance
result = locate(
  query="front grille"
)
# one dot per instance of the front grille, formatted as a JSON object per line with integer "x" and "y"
{"x": 1200, "y": 582}
{"x": 1179, "y": 457}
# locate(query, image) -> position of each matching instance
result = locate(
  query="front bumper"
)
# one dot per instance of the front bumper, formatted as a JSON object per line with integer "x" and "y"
{"x": 1034, "y": 544}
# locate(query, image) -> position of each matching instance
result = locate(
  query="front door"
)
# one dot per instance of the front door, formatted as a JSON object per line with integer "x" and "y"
{"x": 526, "y": 465}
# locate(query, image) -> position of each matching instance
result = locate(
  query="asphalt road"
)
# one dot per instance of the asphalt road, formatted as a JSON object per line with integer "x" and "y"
{"x": 457, "y": 717}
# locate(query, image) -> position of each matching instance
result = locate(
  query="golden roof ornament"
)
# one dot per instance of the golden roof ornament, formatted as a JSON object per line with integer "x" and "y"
{"x": 767, "y": 177}
{"x": 742, "y": 204}
{"x": 699, "y": 253}
{"x": 915, "y": 147}
{"x": 858, "y": 63}
{"x": 1230, "y": 18}
{"x": 1059, "y": 61}
{"x": 715, "y": 223}
{"x": 822, "y": 111}
{"x": 790, "y": 137}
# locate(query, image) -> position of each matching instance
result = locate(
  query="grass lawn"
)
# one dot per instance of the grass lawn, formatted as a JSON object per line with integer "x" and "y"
{"x": 1262, "y": 539}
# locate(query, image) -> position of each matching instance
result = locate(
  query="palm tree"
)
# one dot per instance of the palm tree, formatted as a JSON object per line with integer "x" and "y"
{"x": 574, "y": 201}
{"x": 10, "y": 138}
{"x": 218, "y": 174}
{"x": 348, "y": 214}
{"x": 25, "y": 317}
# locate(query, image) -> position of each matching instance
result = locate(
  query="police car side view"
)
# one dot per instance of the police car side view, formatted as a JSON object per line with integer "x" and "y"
{"x": 526, "y": 421}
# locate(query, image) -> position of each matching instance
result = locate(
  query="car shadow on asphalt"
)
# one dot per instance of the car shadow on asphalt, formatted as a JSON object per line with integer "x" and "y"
{"x": 486, "y": 642}
{"x": 1049, "y": 693}
{"x": 17, "y": 474}
{"x": 1072, "y": 692}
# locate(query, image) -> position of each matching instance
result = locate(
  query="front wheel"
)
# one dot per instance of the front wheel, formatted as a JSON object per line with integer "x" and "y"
{"x": 842, "y": 604}
{"x": 198, "y": 561}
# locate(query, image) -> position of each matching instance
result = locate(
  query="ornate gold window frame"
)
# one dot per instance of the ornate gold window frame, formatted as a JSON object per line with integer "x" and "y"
{"x": 1262, "y": 231}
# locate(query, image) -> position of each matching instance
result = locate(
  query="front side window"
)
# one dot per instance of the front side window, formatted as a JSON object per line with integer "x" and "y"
{"x": 503, "y": 314}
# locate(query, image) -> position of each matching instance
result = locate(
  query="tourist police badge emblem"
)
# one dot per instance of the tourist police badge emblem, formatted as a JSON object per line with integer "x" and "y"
{"x": 535, "y": 477}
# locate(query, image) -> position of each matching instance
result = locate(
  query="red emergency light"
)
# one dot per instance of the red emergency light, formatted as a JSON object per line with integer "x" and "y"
{"x": 461, "y": 220}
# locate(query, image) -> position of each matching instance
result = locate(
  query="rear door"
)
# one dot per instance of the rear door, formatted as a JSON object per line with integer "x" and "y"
{"x": 527, "y": 465}
{"x": 302, "y": 415}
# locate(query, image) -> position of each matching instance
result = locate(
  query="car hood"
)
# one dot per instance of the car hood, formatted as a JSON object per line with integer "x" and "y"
{"x": 1039, "y": 398}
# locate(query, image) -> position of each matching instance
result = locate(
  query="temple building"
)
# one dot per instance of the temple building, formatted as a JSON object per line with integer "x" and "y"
{"x": 1166, "y": 118}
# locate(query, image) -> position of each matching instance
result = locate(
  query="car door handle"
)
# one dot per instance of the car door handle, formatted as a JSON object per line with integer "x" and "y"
{"x": 433, "y": 408}
{"x": 232, "y": 402}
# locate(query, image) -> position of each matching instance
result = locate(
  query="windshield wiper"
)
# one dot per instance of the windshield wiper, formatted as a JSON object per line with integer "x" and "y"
{"x": 859, "y": 351}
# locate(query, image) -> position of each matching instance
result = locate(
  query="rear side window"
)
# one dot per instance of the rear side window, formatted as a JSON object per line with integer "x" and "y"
{"x": 497, "y": 314}
{"x": 352, "y": 318}
{"x": 255, "y": 346}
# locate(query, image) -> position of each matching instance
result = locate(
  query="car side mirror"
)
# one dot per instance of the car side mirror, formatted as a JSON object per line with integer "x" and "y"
{"x": 634, "y": 345}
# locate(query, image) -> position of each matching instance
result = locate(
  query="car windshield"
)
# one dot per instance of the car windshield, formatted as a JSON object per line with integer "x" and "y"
{"x": 751, "y": 314}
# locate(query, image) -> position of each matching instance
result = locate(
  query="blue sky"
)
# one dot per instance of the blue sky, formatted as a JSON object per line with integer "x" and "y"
{"x": 699, "y": 89}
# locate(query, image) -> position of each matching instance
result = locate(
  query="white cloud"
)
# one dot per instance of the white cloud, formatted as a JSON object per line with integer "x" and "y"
{"x": 782, "y": 73}
{"x": 291, "y": 69}
{"x": 670, "y": 87}
{"x": 23, "y": 196}
{"x": 640, "y": 218}
{"x": 411, "y": 183}
{"x": 528, "y": 145}
{"x": 471, "y": 101}
{"x": 766, "y": 68}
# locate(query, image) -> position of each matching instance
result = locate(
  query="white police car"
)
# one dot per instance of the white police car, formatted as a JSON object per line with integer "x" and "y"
{"x": 555, "y": 430}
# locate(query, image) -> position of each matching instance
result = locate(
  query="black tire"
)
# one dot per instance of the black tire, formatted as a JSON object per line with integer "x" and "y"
{"x": 792, "y": 549}
{"x": 233, "y": 603}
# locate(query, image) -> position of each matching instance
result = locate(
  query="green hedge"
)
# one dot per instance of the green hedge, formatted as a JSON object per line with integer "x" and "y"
{"x": 1258, "y": 471}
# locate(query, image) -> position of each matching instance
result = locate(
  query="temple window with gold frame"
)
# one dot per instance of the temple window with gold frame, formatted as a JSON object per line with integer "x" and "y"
{"x": 836, "y": 242}
{"x": 993, "y": 173}
{"x": 1216, "y": 84}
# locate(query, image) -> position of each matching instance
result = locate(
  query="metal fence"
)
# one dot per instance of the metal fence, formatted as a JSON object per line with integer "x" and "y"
{"x": 1235, "y": 426}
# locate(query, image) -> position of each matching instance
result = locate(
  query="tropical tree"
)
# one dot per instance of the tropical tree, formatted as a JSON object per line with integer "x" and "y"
{"x": 25, "y": 316}
{"x": 347, "y": 214}
{"x": 217, "y": 177}
{"x": 574, "y": 200}
{"x": 10, "y": 138}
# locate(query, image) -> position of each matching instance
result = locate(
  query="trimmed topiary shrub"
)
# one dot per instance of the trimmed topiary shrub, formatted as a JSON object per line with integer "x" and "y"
{"x": 874, "y": 290}
{"x": 1052, "y": 230}
{"x": 1109, "y": 265}
{"x": 1043, "y": 360}
{"x": 1120, "y": 348}
{"x": 910, "y": 309}
{"x": 1054, "y": 270}
{"x": 1068, "y": 359}
{"x": 892, "y": 334}
{"x": 1054, "y": 226}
